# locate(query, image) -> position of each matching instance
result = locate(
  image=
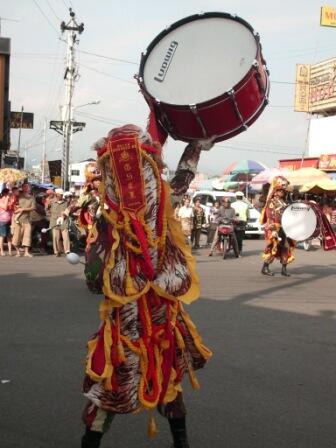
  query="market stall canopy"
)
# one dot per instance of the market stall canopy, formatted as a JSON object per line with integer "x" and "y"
{"x": 11, "y": 175}
{"x": 224, "y": 183}
{"x": 245, "y": 166}
{"x": 305, "y": 176}
{"x": 320, "y": 187}
{"x": 266, "y": 176}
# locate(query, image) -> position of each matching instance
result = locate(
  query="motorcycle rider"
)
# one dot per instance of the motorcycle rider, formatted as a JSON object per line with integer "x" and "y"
{"x": 226, "y": 214}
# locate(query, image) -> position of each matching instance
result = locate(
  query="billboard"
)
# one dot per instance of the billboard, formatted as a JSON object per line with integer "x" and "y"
{"x": 317, "y": 83}
{"x": 23, "y": 120}
{"x": 328, "y": 162}
{"x": 328, "y": 16}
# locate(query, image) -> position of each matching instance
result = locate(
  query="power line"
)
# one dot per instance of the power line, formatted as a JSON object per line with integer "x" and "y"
{"x": 45, "y": 16}
{"x": 53, "y": 11}
{"x": 257, "y": 150}
{"x": 108, "y": 74}
{"x": 109, "y": 57}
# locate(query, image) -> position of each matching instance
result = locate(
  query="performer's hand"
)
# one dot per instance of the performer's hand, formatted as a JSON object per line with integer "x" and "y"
{"x": 207, "y": 144}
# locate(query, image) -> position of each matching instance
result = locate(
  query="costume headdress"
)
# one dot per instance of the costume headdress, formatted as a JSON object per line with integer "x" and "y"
{"x": 91, "y": 172}
{"x": 278, "y": 183}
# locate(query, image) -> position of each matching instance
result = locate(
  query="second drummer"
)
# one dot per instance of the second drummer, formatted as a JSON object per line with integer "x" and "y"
{"x": 278, "y": 245}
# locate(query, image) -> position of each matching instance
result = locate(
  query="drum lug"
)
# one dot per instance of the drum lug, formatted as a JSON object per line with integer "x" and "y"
{"x": 232, "y": 95}
{"x": 163, "y": 118}
{"x": 194, "y": 110}
{"x": 257, "y": 36}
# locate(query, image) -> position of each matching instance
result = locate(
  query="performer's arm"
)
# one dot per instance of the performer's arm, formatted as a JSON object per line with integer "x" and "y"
{"x": 187, "y": 167}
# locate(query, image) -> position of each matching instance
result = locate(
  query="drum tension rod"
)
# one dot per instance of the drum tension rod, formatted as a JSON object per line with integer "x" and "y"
{"x": 194, "y": 110}
{"x": 232, "y": 95}
{"x": 163, "y": 118}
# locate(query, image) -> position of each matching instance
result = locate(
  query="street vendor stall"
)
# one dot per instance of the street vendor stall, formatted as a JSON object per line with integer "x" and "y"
{"x": 326, "y": 186}
{"x": 12, "y": 176}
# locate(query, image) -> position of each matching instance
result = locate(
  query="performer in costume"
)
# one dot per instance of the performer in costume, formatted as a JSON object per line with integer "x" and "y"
{"x": 278, "y": 245}
{"x": 137, "y": 257}
{"x": 88, "y": 202}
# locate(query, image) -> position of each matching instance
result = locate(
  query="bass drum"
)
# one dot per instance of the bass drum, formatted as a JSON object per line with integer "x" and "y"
{"x": 205, "y": 76}
{"x": 299, "y": 221}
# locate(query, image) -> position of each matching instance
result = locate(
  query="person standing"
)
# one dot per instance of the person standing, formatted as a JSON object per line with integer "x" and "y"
{"x": 21, "y": 221}
{"x": 186, "y": 215}
{"x": 59, "y": 223}
{"x": 198, "y": 223}
{"x": 213, "y": 222}
{"x": 242, "y": 210}
{"x": 5, "y": 220}
{"x": 278, "y": 245}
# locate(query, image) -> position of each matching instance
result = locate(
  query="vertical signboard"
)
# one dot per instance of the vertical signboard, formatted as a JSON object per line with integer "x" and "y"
{"x": 302, "y": 88}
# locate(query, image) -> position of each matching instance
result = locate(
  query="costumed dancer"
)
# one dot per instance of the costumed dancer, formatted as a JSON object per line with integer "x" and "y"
{"x": 278, "y": 245}
{"x": 137, "y": 258}
{"x": 88, "y": 202}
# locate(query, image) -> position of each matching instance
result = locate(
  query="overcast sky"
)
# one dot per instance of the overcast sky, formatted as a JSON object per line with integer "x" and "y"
{"x": 290, "y": 33}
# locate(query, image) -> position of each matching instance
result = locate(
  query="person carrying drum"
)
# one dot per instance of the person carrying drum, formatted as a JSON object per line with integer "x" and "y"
{"x": 278, "y": 245}
{"x": 136, "y": 256}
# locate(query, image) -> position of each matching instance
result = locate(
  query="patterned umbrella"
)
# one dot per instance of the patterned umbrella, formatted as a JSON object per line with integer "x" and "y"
{"x": 267, "y": 175}
{"x": 245, "y": 166}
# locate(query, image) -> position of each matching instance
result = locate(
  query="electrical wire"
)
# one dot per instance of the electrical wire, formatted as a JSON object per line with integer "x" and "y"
{"x": 258, "y": 150}
{"x": 45, "y": 16}
{"x": 53, "y": 11}
{"x": 109, "y": 57}
{"x": 108, "y": 74}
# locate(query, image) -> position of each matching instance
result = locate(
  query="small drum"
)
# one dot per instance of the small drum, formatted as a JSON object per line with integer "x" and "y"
{"x": 205, "y": 76}
{"x": 299, "y": 221}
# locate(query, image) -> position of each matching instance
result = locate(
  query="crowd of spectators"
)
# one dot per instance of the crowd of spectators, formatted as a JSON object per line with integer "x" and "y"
{"x": 23, "y": 215}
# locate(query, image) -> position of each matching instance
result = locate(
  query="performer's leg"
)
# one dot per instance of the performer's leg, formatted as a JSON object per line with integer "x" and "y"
{"x": 214, "y": 242}
{"x": 175, "y": 412}
{"x": 284, "y": 254}
{"x": 266, "y": 270}
{"x": 97, "y": 423}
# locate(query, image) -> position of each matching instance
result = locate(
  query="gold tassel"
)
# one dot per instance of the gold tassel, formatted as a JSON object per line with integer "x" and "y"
{"x": 121, "y": 353}
{"x": 152, "y": 428}
{"x": 193, "y": 379}
{"x": 129, "y": 285}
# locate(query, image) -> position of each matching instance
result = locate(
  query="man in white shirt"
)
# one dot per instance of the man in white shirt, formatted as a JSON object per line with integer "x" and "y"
{"x": 242, "y": 210}
{"x": 186, "y": 214}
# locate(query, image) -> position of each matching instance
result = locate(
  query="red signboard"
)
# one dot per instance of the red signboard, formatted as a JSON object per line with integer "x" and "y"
{"x": 296, "y": 164}
{"x": 327, "y": 162}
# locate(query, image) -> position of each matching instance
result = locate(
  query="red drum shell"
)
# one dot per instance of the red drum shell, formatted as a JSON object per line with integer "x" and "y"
{"x": 224, "y": 116}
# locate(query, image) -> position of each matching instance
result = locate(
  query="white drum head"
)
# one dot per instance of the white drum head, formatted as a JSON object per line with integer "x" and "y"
{"x": 299, "y": 221}
{"x": 199, "y": 60}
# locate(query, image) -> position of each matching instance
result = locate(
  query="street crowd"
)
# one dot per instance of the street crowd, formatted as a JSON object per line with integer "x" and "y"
{"x": 194, "y": 220}
{"x": 26, "y": 218}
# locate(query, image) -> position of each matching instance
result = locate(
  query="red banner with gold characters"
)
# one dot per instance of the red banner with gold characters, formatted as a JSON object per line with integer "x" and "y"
{"x": 127, "y": 169}
{"x": 327, "y": 162}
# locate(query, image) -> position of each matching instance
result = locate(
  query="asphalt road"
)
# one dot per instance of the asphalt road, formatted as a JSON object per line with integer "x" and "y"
{"x": 270, "y": 384}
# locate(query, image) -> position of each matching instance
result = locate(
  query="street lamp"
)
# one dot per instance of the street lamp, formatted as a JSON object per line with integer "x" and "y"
{"x": 87, "y": 104}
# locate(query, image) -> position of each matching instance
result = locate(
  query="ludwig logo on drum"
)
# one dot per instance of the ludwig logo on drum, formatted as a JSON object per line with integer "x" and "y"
{"x": 300, "y": 208}
{"x": 166, "y": 62}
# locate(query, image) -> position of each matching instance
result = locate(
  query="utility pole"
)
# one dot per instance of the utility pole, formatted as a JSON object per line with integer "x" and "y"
{"x": 67, "y": 126}
{"x": 44, "y": 151}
